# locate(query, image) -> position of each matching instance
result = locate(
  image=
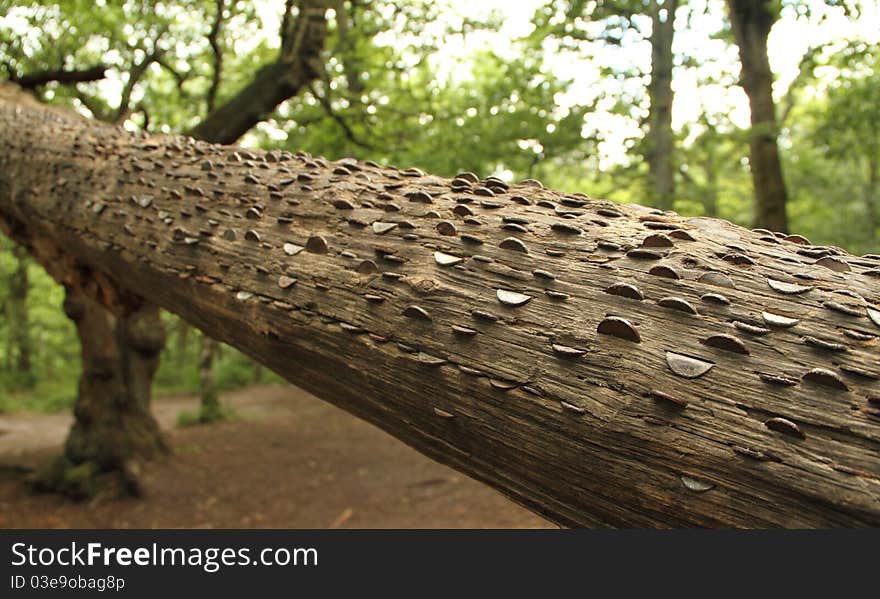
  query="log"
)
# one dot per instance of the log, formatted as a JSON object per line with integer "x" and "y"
{"x": 603, "y": 365}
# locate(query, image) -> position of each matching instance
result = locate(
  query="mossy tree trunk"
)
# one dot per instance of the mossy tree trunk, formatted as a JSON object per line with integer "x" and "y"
{"x": 113, "y": 427}
{"x": 210, "y": 408}
{"x": 18, "y": 321}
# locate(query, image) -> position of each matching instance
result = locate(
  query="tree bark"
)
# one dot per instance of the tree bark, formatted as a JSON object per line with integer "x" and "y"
{"x": 751, "y": 21}
{"x": 113, "y": 427}
{"x": 602, "y": 365}
{"x": 19, "y": 320}
{"x": 661, "y": 140}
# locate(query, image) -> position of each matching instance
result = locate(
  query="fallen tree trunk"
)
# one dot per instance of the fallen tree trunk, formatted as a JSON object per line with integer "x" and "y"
{"x": 602, "y": 365}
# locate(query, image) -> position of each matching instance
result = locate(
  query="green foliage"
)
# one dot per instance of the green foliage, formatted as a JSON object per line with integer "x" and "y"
{"x": 833, "y": 158}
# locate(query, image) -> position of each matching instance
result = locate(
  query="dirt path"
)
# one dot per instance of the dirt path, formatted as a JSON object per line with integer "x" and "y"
{"x": 288, "y": 461}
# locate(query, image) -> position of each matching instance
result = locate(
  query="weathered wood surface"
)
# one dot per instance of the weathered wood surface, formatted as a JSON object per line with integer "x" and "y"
{"x": 603, "y": 365}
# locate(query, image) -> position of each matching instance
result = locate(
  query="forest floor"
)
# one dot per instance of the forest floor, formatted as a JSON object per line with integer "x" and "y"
{"x": 288, "y": 460}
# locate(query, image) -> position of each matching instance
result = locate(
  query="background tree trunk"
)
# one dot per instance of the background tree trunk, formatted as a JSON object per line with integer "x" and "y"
{"x": 113, "y": 427}
{"x": 183, "y": 330}
{"x": 603, "y": 365}
{"x": 661, "y": 139}
{"x": 19, "y": 321}
{"x": 871, "y": 201}
{"x": 751, "y": 21}
{"x": 210, "y": 408}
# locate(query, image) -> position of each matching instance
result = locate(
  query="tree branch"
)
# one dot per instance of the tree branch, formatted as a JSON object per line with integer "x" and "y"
{"x": 62, "y": 76}
{"x": 297, "y": 64}
{"x": 328, "y": 109}
{"x": 216, "y": 48}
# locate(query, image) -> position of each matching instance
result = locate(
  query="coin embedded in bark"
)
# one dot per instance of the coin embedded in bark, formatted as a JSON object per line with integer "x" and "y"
{"x": 778, "y": 379}
{"x": 143, "y": 201}
{"x": 677, "y": 303}
{"x": 446, "y": 259}
{"x": 827, "y": 378}
{"x": 460, "y": 330}
{"x": 847, "y": 309}
{"x": 738, "y": 259}
{"x": 750, "y": 328}
{"x": 512, "y": 243}
{"x": 625, "y": 290}
{"x": 619, "y": 327}
{"x": 484, "y": 191}
{"x": 483, "y": 315}
{"x": 669, "y": 399}
{"x": 566, "y": 228}
{"x": 380, "y": 228}
{"x": 727, "y": 343}
{"x": 566, "y": 351}
{"x": 657, "y": 240}
{"x": 687, "y": 367}
{"x": 252, "y": 235}
{"x": 512, "y": 298}
{"x": 716, "y": 278}
{"x": 874, "y": 315}
{"x": 416, "y": 312}
{"x": 695, "y": 484}
{"x": 557, "y": 295}
{"x": 835, "y": 264}
{"x": 798, "y": 239}
{"x": 444, "y": 227}
{"x": 243, "y": 296}
{"x": 317, "y": 245}
{"x": 682, "y": 234}
{"x": 785, "y": 426}
{"x": 666, "y": 272}
{"x": 419, "y": 196}
{"x": 291, "y": 249}
{"x": 715, "y": 298}
{"x": 778, "y": 320}
{"x": 343, "y": 204}
{"x": 430, "y": 360}
{"x": 822, "y": 344}
{"x": 787, "y": 288}
{"x": 642, "y": 254}
{"x": 286, "y": 282}
{"x": 570, "y": 407}
{"x": 503, "y": 385}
